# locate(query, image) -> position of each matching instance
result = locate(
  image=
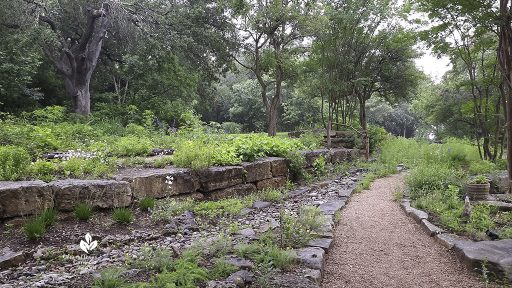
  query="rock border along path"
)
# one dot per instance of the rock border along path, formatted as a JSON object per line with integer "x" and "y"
{"x": 377, "y": 245}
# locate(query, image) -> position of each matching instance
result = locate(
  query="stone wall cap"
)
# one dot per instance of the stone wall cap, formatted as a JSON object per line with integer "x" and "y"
{"x": 5, "y": 185}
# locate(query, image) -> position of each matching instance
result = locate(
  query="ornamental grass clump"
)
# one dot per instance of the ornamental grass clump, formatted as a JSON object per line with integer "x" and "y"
{"x": 122, "y": 216}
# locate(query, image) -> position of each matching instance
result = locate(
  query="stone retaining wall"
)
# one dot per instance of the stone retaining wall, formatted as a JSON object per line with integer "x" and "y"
{"x": 24, "y": 198}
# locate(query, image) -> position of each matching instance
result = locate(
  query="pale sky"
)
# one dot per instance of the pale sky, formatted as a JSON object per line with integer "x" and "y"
{"x": 433, "y": 66}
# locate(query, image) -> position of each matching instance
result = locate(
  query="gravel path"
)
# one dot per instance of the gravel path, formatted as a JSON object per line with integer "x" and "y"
{"x": 377, "y": 245}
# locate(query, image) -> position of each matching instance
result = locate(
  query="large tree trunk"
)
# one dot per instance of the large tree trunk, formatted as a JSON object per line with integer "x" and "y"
{"x": 505, "y": 59}
{"x": 77, "y": 61}
{"x": 273, "y": 115}
{"x": 364, "y": 127}
{"x": 79, "y": 95}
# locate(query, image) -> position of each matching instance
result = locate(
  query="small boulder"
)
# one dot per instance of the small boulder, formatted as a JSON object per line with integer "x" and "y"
{"x": 312, "y": 257}
{"x": 261, "y": 204}
{"x": 241, "y": 278}
{"x": 9, "y": 258}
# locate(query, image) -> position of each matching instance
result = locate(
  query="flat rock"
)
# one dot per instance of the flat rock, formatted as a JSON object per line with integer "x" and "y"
{"x": 155, "y": 182}
{"x": 23, "y": 198}
{"x": 496, "y": 255}
{"x": 448, "y": 240}
{"x": 332, "y": 206}
{"x": 324, "y": 243}
{"x": 405, "y": 204}
{"x": 261, "y": 204}
{"x": 430, "y": 228}
{"x": 97, "y": 193}
{"x": 312, "y": 257}
{"x": 215, "y": 178}
{"x": 346, "y": 193}
{"x": 313, "y": 275}
{"x": 257, "y": 170}
{"x": 9, "y": 258}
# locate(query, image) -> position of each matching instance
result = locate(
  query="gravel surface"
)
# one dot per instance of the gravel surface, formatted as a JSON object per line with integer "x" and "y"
{"x": 377, "y": 245}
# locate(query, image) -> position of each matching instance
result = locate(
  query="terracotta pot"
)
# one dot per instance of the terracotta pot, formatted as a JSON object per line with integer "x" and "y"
{"x": 478, "y": 191}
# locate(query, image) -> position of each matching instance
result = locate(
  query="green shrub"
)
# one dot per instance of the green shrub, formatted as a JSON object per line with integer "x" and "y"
{"x": 83, "y": 168}
{"x": 122, "y": 215}
{"x": 267, "y": 254}
{"x": 135, "y": 130}
{"x": 200, "y": 155}
{"x": 14, "y": 163}
{"x": 163, "y": 161}
{"x": 224, "y": 207}
{"x": 311, "y": 140}
{"x": 481, "y": 167}
{"x": 35, "y": 228}
{"x": 254, "y": 146}
{"x": 297, "y": 163}
{"x": 166, "y": 209}
{"x": 432, "y": 177}
{"x": 44, "y": 170}
{"x": 185, "y": 272}
{"x": 378, "y": 136}
{"x": 50, "y": 114}
{"x": 296, "y": 232}
{"x": 272, "y": 195}
{"x": 221, "y": 269}
{"x": 146, "y": 204}
{"x": 83, "y": 211}
{"x": 132, "y": 146}
{"x": 154, "y": 259}
{"x": 110, "y": 278}
{"x": 231, "y": 127}
{"x": 479, "y": 179}
{"x": 481, "y": 219}
{"x": 319, "y": 166}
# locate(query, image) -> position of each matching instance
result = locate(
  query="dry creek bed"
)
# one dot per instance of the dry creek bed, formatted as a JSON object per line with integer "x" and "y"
{"x": 57, "y": 261}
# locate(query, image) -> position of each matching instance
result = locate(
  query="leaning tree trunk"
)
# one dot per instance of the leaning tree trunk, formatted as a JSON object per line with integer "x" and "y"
{"x": 77, "y": 61}
{"x": 505, "y": 60}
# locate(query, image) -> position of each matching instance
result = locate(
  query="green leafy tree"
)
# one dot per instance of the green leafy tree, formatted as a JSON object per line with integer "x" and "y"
{"x": 270, "y": 35}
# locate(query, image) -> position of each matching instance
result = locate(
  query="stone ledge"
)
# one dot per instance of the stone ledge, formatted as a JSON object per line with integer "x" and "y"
{"x": 23, "y": 198}
{"x": 257, "y": 170}
{"x": 97, "y": 193}
{"x": 153, "y": 182}
{"x": 221, "y": 177}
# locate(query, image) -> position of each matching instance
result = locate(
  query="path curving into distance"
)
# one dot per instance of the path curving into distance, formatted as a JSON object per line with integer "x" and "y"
{"x": 377, "y": 245}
